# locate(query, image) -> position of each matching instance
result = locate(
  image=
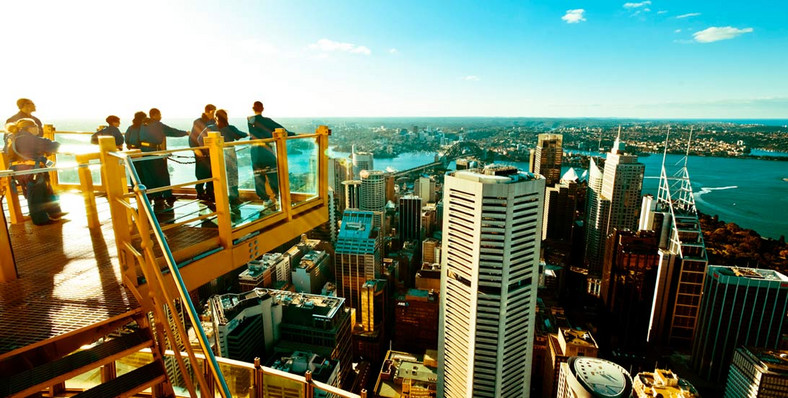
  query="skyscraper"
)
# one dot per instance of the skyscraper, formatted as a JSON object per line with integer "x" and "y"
{"x": 683, "y": 260}
{"x": 560, "y": 208}
{"x": 584, "y": 377}
{"x": 358, "y": 255}
{"x": 740, "y": 306}
{"x": 489, "y": 275}
{"x": 352, "y": 190}
{"x": 758, "y": 373}
{"x": 373, "y": 194}
{"x": 410, "y": 218}
{"x": 426, "y": 189}
{"x": 614, "y": 204}
{"x": 361, "y": 161}
{"x": 547, "y": 157}
{"x": 339, "y": 171}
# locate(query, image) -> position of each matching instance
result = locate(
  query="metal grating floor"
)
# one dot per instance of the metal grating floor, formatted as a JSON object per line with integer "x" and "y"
{"x": 69, "y": 278}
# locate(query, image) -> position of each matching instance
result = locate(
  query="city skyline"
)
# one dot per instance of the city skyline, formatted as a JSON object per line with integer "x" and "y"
{"x": 649, "y": 59}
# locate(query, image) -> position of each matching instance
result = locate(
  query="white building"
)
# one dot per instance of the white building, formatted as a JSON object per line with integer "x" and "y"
{"x": 586, "y": 377}
{"x": 492, "y": 228}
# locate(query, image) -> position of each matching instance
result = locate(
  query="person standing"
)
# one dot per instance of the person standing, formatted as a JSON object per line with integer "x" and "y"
{"x": 230, "y": 133}
{"x": 26, "y": 109}
{"x": 112, "y": 130}
{"x": 264, "y": 156}
{"x": 133, "y": 142}
{"x": 153, "y": 137}
{"x": 202, "y": 159}
{"x": 26, "y": 149}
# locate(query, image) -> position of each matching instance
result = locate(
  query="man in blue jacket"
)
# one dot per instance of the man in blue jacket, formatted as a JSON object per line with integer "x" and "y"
{"x": 264, "y": 156}
{"x": 153, "y": 137}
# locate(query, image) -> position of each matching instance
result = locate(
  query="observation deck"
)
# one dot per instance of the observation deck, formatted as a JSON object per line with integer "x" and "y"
{"x": 116, "y": 262}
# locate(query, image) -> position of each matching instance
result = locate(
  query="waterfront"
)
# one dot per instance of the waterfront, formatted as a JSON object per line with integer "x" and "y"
{"x": 748, "y": 192}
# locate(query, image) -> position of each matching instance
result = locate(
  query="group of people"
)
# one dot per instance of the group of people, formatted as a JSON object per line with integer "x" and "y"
{"x": 24, "y": 146}
{"x": 25, "y": 149}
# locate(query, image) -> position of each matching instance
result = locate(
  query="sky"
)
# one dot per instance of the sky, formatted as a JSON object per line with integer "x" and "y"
{"x": 649, "y": 59}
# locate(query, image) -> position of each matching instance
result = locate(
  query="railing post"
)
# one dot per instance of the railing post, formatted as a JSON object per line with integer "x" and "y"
{"x": 11, "y": 193}
{"x": 363, "y": 393}
{"x": 49, "y": 133}
{"x": 215, "y": 142}
{"x": 322, "y": 164}
{"x": 309, "y": 391}
{"x": 115, "y": 174}
{"x": 86, "y": 185}
{"x": 257, "y": 380}
{"x": 280, "y": 135}
{"x": 7, "y": 263}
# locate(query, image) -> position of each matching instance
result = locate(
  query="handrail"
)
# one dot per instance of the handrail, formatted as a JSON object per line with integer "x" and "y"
{"x": 175, "y": 272}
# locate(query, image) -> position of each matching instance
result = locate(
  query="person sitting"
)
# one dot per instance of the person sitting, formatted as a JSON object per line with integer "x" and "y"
{"x": 27, "y": 150}
{"x": 112, "y": 130}
{"x": 230, "y": 133}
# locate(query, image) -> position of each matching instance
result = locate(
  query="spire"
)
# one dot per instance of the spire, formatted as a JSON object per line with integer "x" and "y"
{"x": 617, "y": 145}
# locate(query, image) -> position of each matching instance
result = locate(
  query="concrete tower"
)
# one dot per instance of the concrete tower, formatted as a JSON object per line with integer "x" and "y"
{"x": 489, "y": 276}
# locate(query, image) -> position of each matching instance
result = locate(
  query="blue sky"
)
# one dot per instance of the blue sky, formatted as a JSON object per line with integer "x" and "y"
{"x": 649, "y": 59}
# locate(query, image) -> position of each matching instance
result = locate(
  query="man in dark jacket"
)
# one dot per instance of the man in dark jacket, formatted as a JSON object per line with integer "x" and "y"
{"x": 112, "y": 130}
{"x": 264, "y": 156}
{"x": 202, "y": 159}
{"x": 153, "y": 137}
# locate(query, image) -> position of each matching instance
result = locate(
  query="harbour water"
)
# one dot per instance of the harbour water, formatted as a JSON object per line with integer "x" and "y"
{"x": 749, "y": 192}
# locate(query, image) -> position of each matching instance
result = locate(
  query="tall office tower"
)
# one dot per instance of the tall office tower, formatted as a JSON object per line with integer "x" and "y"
{"x": 560, "y": 208}
{"x": 617, "y": 202}
{"x": 683, "y": 260}
{"x": 263, "y": 321}
{"x": 352, "y": 194}
{"x": 629, "y": 277}
{"x": 489, "y": 274}
{"x": 547, "y": 158}
{"x": 662, "y": 383}
{"x": 361, "y": 161}
{"x": 358, "y": 255}
{"x": 339, "y": 171}
{"x": 597, "y": 217}
{"x": 584, "y": 377}
{"x": 646, "y": 222}
{"x": 757, "y": 373}
{"x": 410, "y": 218}
{"x": 565, "y": 344}
{"x": 373, "y": 194}
{"x": 430, "y": 251}
{"x": 740, "y": 306}
{"x": 425, "y": 188}
{"x": 391, "y": 190}
{"x": 373, "y": 305}
{"x": 429, "y": 218}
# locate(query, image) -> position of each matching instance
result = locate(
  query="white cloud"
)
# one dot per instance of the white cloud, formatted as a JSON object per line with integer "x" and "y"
{"x": 677, "y": 31}
{"x": 574, "y": 16}
{"x": 714, "y": 33}
{"x": 393, "y": 51}
{"x": 327, "y": 45}
{"x": 660, "y": 12}
{"x": 471, "y": 78}
{"x": 692, "y": 14}
{"x": 637, "y": 5}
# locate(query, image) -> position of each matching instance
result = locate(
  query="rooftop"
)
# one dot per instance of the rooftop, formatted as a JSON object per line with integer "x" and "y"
{"x": 748, "y": 273}
{"x": 496, "y": 174}
{"x": 663, "y": 383}
{"x": 602, "y": 377}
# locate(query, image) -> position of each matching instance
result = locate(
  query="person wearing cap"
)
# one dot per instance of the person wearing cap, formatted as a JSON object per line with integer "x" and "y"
{"x": 153, "y": 137}
{"x": 26, "y": 109}
{"x": 112, "y": 130}
{"x": 230, "y": 133}
{"x": 263, "y": 156}
{"x": 202, "y": 159}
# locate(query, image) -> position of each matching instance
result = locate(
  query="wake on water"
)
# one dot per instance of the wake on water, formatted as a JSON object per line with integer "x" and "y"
{"x": 706, "y": 190}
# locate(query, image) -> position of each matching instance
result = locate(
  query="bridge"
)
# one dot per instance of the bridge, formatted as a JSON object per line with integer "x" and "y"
{"x": 458, "y": 150}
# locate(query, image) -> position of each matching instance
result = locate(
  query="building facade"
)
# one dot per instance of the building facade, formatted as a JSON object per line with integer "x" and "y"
{"x": 358, "y": 255}
{"x": 489, "y": 274}
{"x": 757, "y": 373}
{"x": 410, "y": 218}
{"x": 548, "y": 156}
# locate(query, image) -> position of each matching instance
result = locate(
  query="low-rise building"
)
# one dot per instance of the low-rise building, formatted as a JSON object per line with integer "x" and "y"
{"x": 662, "y": 383}
{"x": 405, "y": 375}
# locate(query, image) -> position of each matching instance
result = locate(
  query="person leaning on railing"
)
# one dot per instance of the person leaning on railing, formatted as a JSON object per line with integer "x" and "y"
{"x": 202, "y": 159}
{"x": 25, "y": 150}
{"x": 153, "y": 137}
{"x": 112, "y": 130}
{"x": 230, "y": 133}
{"x": 264, "y": 156}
